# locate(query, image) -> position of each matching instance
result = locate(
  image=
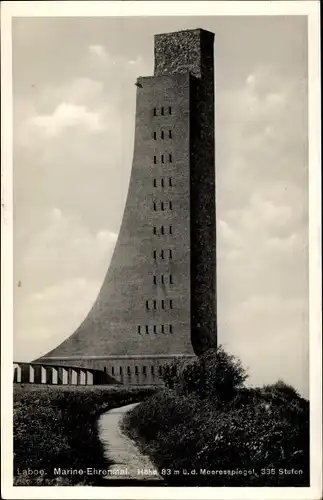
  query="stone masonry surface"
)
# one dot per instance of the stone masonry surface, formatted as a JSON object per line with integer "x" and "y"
{"x": 158, "y": 298}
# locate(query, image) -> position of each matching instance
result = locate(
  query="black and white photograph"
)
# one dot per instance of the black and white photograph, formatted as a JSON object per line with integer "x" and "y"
{"x": 160, "y": 211}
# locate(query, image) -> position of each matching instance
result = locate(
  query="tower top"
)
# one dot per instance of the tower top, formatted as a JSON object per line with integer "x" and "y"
{"x": 184, "y": 51}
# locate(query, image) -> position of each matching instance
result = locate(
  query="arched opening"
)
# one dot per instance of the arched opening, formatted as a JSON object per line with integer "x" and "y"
{"x": 17, "y": 373}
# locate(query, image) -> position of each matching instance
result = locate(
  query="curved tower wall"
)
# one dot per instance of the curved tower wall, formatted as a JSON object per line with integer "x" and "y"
{"x": 158, "y": 298}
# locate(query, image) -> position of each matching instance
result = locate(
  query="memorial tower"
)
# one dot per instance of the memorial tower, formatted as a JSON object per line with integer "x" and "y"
{"x": 158, "y": 299}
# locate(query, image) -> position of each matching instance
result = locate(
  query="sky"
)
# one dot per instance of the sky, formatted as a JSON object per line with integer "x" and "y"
{"x": 74, "y": 107}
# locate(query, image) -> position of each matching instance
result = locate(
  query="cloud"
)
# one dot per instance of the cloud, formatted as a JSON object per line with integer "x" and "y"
{"x": 137, "y": 60}
{"x": 98, "y": 50}
{"x": 64, "y": 243}
{"x": 75, "y": 105}
{"x": 101, "y": 57}
{"x": 82, "y": 91}
{"x": 78, "y": 258}
{"x": 72, "y": 151}
{"x": 262, "y": 231}
{"x": 67, "y": 115}
{"x": 49, "y": 316}
{"x": 64, "y": 240}
{"x": 273, "y": 339}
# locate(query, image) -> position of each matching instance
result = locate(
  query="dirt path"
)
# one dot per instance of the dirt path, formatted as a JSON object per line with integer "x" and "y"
{"x": 129, "y": 462}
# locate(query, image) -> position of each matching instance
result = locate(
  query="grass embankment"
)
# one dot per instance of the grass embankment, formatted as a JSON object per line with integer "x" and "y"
{"x": 56, "y": 427}
{"x": 207, "y": 420}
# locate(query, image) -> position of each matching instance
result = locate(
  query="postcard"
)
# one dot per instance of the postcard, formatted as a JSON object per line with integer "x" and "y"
{"x": 161, "y": 255}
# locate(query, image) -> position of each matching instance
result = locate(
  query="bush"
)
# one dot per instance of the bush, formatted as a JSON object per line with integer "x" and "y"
{"x": 215, "y": 375}
{"x": 57, "y": 427}
{"x": 158, "y": 415}
{"x": 172, "y": 373}
{"x": 207, "y": 420}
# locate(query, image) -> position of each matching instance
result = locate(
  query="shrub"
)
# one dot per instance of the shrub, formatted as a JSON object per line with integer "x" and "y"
{"x": 187, "y": 433}
{"x": 215, "y": 375}
{"x": 158, "y": 415}
{"x": 57, "y": 427}
{"x": 172, "y": 373}
{"x": 207, "y": 420}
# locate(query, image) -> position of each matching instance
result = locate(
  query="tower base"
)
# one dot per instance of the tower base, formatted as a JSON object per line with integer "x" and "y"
{"x": 129, "y": 370}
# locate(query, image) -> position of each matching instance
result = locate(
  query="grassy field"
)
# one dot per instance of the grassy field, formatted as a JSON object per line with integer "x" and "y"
{"x": 56, "y": 427}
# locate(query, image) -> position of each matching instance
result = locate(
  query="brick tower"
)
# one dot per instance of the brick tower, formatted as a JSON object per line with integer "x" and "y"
{"x": 158, "y": 299}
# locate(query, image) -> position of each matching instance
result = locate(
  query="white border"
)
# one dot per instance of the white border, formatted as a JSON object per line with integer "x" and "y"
{"x": 309, "y": 8}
